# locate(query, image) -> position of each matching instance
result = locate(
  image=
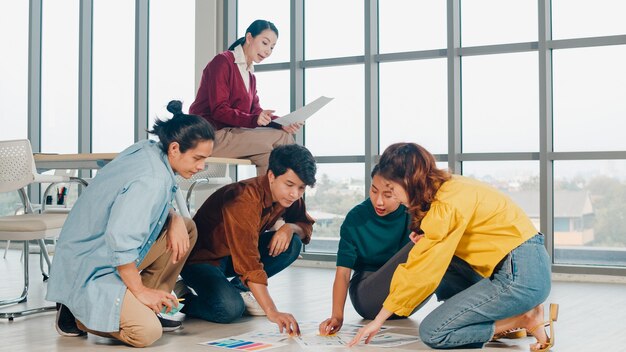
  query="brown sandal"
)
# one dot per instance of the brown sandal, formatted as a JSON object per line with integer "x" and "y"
{"x": 509, "y": 334}
{"x": 545, "y": 346}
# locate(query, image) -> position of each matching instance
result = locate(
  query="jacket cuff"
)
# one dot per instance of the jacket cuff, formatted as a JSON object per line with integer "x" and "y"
{"x": 397, "y": 309}
{"x": 256, "y": 276}
{"x": 121, "y": 258}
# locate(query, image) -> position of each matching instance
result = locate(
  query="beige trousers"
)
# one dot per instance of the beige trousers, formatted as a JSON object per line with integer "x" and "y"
{"x": 139, "y": 326}
{"x": 254, "y": 144}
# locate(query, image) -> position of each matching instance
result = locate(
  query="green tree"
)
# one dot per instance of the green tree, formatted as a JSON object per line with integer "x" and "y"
{"x": 608, "y": 197}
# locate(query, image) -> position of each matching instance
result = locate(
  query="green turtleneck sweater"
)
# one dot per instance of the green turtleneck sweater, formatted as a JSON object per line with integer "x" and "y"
{"x": 368, "y": 240}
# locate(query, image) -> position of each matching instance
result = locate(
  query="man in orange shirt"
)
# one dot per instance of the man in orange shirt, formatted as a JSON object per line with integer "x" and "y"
{"x": 234, "y": 240}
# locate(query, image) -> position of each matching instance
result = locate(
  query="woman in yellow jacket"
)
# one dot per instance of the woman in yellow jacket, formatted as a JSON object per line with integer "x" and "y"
{"x": 475, "y": 249}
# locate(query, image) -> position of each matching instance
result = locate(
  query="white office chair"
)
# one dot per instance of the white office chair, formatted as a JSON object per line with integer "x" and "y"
{"x": 201, "y": 185}
{"x": 17, "y": 171}
{"x": 41, "y": 207}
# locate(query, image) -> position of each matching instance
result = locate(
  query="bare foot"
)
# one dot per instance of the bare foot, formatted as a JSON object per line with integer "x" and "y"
{"x": 534, "y": 320}
{"x": 528, "y": 321}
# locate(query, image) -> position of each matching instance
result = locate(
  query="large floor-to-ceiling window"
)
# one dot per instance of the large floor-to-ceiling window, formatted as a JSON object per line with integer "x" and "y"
{"x": 527, "y": 96}
{"x": 170, "y": 56}
{"x": 14, "y": 33}
{"x": 522, "y": 95}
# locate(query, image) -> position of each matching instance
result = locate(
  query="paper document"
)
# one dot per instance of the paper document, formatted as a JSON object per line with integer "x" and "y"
{"x": 304, "y": 112}
{"x": 242, "y": 345}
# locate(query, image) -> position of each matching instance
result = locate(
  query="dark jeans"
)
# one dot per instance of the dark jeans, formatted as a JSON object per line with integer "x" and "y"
{"x": 218, "y": 299}
{"x": 369, "y": 289}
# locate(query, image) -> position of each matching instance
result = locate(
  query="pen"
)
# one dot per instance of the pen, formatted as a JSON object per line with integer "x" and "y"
{"x": 181, "y": 299}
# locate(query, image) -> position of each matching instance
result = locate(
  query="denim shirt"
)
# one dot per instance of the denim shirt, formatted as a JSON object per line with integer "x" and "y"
{"x": 114, "y": 222}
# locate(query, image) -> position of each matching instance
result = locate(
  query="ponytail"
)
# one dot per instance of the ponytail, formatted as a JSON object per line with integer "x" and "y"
{"x": 255, "y": 28}
{"x": 186, "y": 130}
{"x": 237, "y": 42}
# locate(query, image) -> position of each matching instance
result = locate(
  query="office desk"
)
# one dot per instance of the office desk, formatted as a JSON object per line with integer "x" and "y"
{"x": 98, "y": 160}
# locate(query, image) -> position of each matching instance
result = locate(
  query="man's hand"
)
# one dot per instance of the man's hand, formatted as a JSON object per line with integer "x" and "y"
{"x": 285, "y": 321}
{"x": 156, "y": 299}
{"x": 293, "y": 128}
{"x": 281, "y": 240}
{"x": 264, "y": 118}
{"x": 177, "y": 238}
{"x": 331, "y": 326}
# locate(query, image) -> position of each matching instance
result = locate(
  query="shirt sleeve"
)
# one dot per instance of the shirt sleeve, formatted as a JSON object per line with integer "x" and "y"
{"x": 296, "y": 214}
{"x": 346, "y": 252}
{"x": 219, "y": 92}
{"x": 241, "y": 225}
{"x": 428, "y": 261}
{"x": 131, "y": 218}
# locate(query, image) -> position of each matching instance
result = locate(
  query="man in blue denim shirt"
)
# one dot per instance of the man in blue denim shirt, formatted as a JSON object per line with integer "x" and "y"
{"x": 122, "y": 246}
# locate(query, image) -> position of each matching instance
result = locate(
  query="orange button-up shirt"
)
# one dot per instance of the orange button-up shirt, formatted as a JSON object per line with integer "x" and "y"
{"x": 231, "y": 220}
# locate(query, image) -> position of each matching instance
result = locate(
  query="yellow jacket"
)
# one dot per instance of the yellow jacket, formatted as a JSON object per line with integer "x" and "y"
{"x": 467, "y": 219}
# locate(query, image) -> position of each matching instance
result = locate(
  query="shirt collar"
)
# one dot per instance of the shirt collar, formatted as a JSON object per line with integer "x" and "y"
{"x": 264, "y": 181}
{"x": 165, "y": 160}
{"x": 240, "y": 59}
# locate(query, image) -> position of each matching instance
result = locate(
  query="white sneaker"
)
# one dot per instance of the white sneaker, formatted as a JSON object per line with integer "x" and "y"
{"x": 252, "y": 306}
{"x": 181, "y": 289}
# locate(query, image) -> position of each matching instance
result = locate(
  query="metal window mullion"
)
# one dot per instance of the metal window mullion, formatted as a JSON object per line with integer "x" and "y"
{"x": 334, "y": 62}
{"x": 34, "y": 83}
{"x": 586, "y": 42}
{"x": 454, "y": 85}
{"x": 208, "y": 36}
{"x": 227, "y": 23}
{"x": 230, "y": 23}
{"x": 85, "y": 86}
{"x": 372, "y": 115}
{"x": 142, "y": 27}
{"x": 546, "y": 164}
{"x": 34, "y": 74}
{"x": 296, "y": 69}
{"x": 597, "y": 155}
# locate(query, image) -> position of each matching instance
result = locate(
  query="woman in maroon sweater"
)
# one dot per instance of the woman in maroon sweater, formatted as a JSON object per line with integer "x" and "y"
{"x": 227, "y": 98}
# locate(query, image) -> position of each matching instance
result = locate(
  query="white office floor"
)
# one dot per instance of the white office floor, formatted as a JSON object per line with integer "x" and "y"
{"x": 592, "y": 316}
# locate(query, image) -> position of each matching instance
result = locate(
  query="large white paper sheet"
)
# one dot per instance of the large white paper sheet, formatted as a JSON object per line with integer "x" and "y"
{"x": 304, "y": 112}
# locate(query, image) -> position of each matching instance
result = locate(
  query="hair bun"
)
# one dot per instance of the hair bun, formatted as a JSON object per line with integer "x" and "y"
{"x": 175, "y": 107}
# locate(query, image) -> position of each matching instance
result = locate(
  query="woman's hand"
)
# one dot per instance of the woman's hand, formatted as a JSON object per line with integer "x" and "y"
{"x": 264, "y": 118}
{"x": 293, "y": 128}
{"x": 331, "y": 326}
{"x": 415, "y": 237}
{"x": 367, "y": 332}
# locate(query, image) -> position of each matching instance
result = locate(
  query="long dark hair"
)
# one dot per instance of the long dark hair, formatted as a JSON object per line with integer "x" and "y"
{"x": 413, "y": 167}
{"x": 255, "y": 28}
{"x": 185, "y": 129}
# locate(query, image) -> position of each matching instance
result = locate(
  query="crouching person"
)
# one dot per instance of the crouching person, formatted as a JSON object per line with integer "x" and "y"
{"x": 236, "y": 239}
{"x": 122, "y": 246}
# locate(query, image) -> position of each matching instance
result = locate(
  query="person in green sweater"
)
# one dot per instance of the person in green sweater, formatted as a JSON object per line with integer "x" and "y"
{"x": 374, "y": 240}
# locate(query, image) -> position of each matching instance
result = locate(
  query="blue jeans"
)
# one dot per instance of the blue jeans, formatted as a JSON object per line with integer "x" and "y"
{"x": 218, "y": 299}
{"x": 472, "y": 303}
